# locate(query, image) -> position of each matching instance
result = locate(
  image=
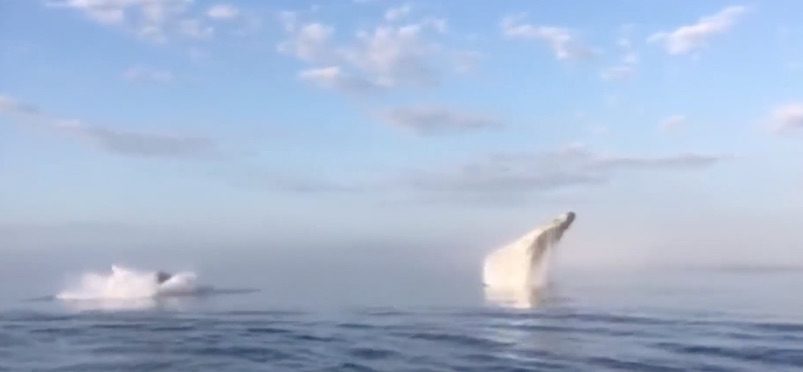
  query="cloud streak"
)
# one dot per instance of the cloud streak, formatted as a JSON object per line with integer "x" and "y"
{"x": 116, "y": 141}
{"x": 436, "y": 120}
{"x": 690, "y": 38}
{"x": 257, "y": 178}
{"x": 333, "y": 77}
{"x": 516, "y": 175}
{"x": 141, "y": 144}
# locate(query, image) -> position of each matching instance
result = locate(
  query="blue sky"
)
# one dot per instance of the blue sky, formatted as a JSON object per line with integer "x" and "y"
{"x": 422, "y": 120}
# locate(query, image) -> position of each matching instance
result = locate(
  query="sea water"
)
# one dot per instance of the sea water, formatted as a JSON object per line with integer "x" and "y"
{"x": 418, "y": 318}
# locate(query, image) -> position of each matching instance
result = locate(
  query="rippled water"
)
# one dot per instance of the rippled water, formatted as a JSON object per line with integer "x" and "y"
{"x": 712, "y": 321}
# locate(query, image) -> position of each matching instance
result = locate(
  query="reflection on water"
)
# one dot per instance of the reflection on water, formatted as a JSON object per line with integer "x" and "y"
{"x": 130, "y": 304}
{"x": 526, "y": 297}
{"x": 175, "y": 302}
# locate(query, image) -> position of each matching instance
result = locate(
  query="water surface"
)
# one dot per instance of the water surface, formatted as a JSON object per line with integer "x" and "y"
{"x": 673, "y": 319}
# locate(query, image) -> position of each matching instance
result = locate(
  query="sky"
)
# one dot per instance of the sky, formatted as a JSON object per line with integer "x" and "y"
{"x": 674, "y": 130}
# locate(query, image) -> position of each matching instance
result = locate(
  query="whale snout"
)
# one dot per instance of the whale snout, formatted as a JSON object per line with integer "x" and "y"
{"x": 568, "y": 219}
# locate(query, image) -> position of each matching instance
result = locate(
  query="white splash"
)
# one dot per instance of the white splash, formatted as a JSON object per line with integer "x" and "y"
{"x": 129, "y": 284}
{"x": 522, "y": 266}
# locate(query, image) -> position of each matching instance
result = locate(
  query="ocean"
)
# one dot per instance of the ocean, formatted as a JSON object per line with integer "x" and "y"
{"x": 616, "y": 319}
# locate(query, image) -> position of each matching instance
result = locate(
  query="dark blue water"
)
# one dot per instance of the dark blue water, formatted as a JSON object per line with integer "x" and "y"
{"x": 732, "y": 320}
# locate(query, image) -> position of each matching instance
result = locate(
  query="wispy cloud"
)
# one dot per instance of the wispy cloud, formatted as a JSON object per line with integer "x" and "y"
{"x": 435, "y": 120}
{"x": 788, "y": 116}
{"x": 333, "y": 77}
{"x": 625, "y": 67}
{"x": 562, "y": 41}
{"x": 142, "y": 74}
{"x": 689, "y": 38}
{"x": 140, "y": 144}
{"x": 117, "y": 141}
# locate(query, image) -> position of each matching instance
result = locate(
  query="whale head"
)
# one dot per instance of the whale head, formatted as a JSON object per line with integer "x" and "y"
{"x": 568, "y": 218}
{"x": 560, "y": 225}
{"x": 565, "y": 220}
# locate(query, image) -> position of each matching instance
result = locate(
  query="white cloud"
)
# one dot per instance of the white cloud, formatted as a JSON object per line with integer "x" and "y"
{"x": 673, "y": 122}
{"x": 387, "y": 56}
{"x": 223, "y": 12}
{"x": 788, "y": 116}
{"x": 153, "y": 20}
{"x": 396, "y": 55}
{"x": 434, "y": 120}
{"x": 397, "y": 13}
{"x": 689, "y": 38}
{"x": 148, "y": 75}
{"x": 563, "y": 43}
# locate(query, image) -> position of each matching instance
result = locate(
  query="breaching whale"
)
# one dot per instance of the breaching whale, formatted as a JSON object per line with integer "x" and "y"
{"x": 522, "y": 265}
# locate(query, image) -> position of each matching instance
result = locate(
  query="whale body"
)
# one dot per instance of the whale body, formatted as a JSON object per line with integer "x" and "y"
{"x": 521, "y": 265}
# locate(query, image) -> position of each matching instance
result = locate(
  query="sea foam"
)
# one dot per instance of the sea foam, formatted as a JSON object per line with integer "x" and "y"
{"x": 126, "y": 284}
